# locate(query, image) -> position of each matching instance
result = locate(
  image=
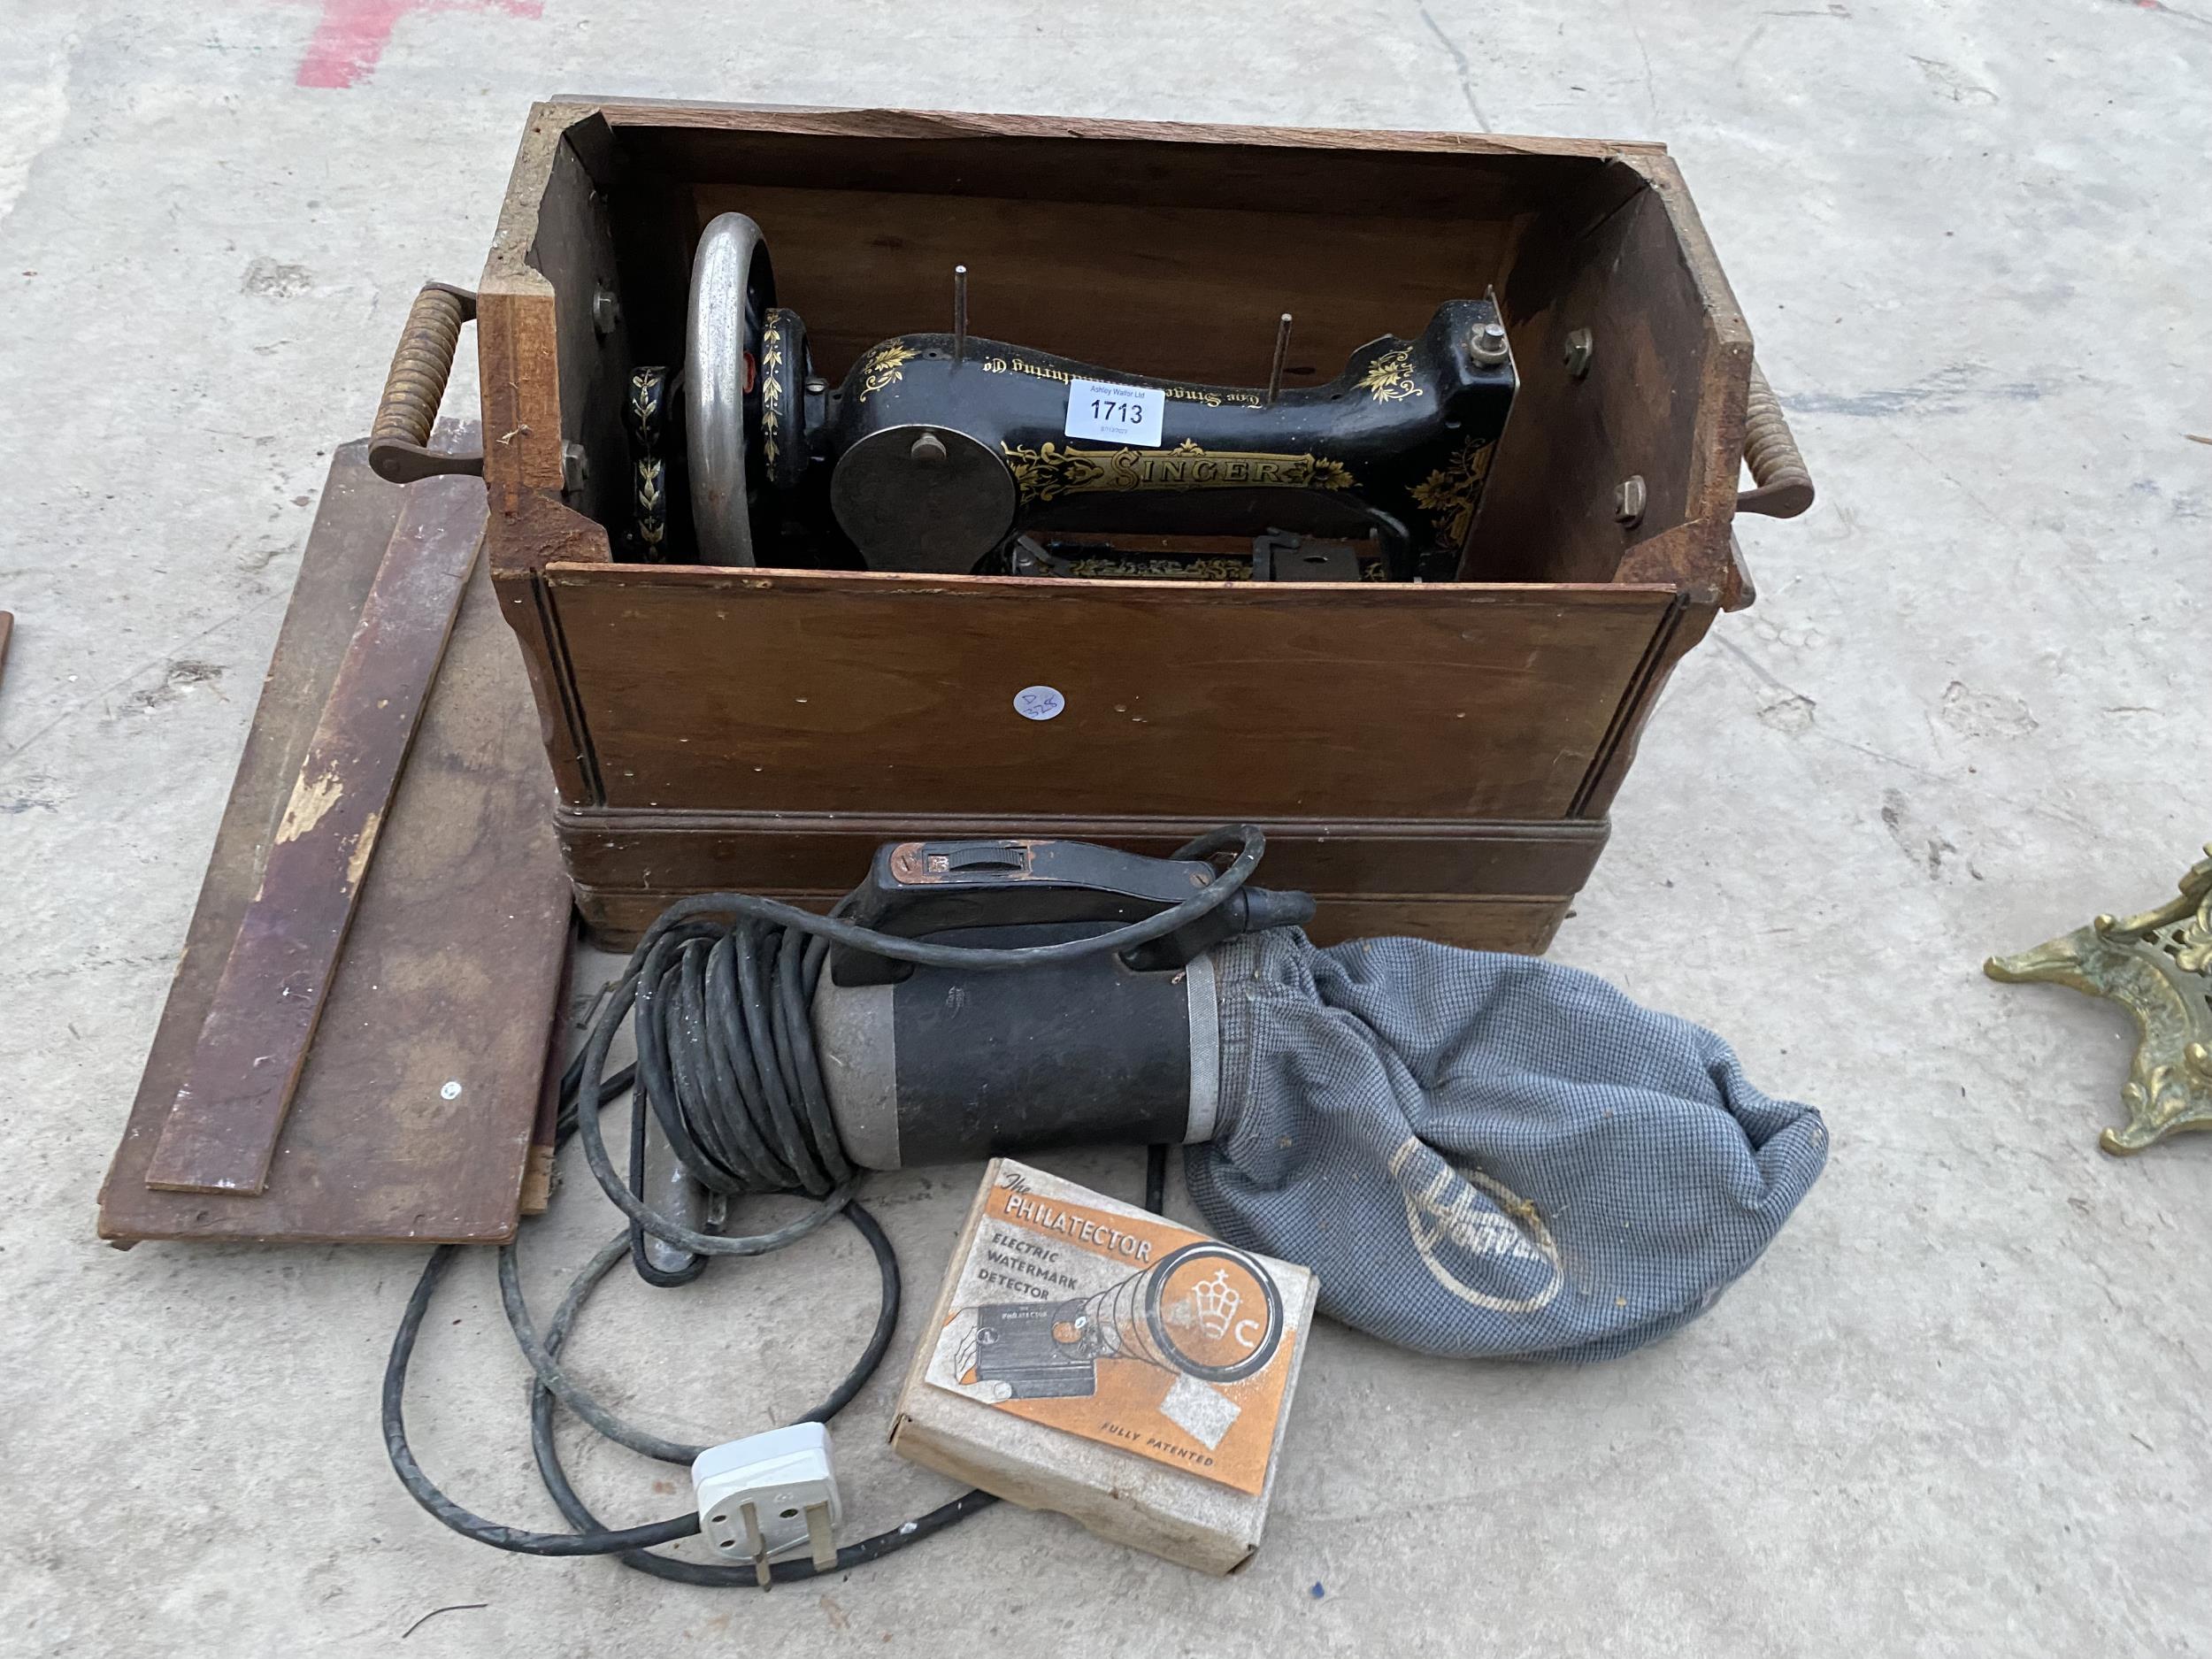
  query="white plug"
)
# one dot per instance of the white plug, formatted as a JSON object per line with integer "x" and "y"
{"x": 770, "y": 1496}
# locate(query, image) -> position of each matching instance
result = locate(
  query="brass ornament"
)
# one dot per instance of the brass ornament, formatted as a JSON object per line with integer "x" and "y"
{"x": 1052, "y": 469}
{"x": 2158, "y": 966}
{"x": 1454, "y": 490}
{"x": 1389, "y": 378}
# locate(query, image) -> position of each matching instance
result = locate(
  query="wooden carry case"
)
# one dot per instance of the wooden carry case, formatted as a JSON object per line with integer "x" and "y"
{"x": 1434, "y": 759}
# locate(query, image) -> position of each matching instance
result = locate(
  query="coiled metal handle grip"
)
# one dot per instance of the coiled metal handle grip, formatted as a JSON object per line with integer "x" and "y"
{"x": 1782, "y": 486}
{"x": 399, "y": 442}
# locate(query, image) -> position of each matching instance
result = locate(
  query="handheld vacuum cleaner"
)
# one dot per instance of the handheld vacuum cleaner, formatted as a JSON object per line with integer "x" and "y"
{"x": 1478, "y": 1154}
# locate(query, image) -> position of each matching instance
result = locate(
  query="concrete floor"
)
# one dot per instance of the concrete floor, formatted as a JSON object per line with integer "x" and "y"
{"x": 1960, "y": 1406}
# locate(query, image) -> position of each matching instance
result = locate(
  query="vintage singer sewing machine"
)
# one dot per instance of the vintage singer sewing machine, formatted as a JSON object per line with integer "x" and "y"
{"x": 942, "y": 453}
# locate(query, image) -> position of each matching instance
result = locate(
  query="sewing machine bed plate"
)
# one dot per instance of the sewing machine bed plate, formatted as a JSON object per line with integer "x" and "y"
{"x": 1436, "y": 759}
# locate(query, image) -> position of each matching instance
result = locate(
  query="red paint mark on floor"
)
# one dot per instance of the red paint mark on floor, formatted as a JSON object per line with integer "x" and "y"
{"x": 352, "y": 33}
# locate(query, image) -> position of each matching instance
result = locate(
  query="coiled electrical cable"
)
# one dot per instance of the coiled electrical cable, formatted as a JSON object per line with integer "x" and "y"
{"x": 727, "y": 1064}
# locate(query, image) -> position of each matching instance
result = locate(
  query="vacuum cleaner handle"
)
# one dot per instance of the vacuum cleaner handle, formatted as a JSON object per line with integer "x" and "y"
{"x": 925, "y": 888}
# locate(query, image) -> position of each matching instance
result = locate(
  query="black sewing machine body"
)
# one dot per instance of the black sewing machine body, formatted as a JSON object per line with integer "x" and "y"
{"x": 937, "y": 461}
{"x": 937, "y": 451}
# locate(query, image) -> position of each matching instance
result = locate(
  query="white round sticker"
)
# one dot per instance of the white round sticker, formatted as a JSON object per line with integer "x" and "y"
{"x": 1038, "y": 703}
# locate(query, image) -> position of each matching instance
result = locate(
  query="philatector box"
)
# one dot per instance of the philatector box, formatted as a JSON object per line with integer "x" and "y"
{"x": 1093, "y": 1358}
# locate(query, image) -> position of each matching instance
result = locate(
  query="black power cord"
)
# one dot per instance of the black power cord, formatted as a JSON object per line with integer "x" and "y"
{"x": 727, "y": 1064}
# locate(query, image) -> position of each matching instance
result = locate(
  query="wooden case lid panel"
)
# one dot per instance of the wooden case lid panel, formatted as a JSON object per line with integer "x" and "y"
{"x": 817, "y": 693}
{"x": 458, "y": 946}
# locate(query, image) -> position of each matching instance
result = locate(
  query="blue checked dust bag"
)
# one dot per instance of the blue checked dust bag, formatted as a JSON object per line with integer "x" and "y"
{"x": 1488, "y": 1156}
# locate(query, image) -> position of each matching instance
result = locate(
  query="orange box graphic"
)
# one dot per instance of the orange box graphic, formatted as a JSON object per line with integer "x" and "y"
{"x": 1073, "y": 1311}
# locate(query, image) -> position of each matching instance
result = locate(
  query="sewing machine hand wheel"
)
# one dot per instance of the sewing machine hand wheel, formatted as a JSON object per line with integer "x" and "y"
{"x": 732, "y": 285}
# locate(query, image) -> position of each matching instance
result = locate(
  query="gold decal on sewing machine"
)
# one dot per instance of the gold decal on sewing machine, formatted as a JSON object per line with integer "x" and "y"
{"x": 1389, "y": 378}
{"x": 1051, "y": 470}
{"x": 770, "y": 391}
{"x": 1454, "y": 490}
{"x": 885, "y": 367}
{"x": 1212, "y": 397}
{"x": 1023, "y": 365}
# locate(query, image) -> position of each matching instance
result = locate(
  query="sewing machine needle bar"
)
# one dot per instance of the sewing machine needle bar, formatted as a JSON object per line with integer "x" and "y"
{"x": 1282, "y": 353}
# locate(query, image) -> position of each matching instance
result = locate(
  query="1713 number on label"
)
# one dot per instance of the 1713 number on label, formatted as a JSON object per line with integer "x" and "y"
{"x": 1117, "y": 414}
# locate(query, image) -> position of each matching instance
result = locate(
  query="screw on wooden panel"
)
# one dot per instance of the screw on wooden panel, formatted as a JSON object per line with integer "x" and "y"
{"x": 1628, "y": 502}
{"x": 574, "y": 468}
{"x": 1578, "y": 352}
{"x": 606, "y": 311}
